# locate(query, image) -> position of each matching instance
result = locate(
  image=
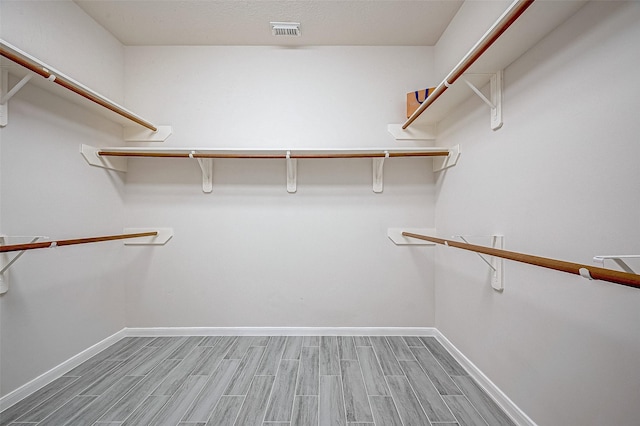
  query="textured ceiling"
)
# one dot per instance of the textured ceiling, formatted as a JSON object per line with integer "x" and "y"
{"x": 237, "y": 22}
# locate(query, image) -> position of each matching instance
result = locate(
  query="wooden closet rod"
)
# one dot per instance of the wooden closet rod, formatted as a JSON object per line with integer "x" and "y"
{"x": 47, "y": 244}
{"x": 69, "y": 85}
{"x": 516, "y": 9}
{"x": 444, "y": 153}
{"x": 624, "y": 278}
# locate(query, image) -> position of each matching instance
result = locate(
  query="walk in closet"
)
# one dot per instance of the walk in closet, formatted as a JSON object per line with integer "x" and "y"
{"x": 221, "y": 212}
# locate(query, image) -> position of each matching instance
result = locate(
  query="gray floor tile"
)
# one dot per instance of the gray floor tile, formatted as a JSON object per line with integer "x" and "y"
{"x": 329, "y": 359}
{"x": 136, "y": 396}
{"x": 400, "y": 349}
{"x": 371, "y": 371}
{"x": 43, "y": 410}
{"x": 226, "y": 411}
{"x": 157, "y": 357}
{"x": 185, "y": 348}
{"x": 129, "y": 350}
{"x": 91, "y": 412}
{"x": 177, "y": 406}
{"x": 409, "y": 407}
{"x": 448, "y": 362}
{"x": 213, "y": 390}
{"x": 355, "y": 395}
{"x": 35, "y": 399}
{"x": 487, "y": 408}
{"x": 209, "y": 341}
{"x": 255, "y": 404}
{"x": 292, "y": 347}
{"x": 239, "y": 347}
{"x": 464, "y": 411}
{"x": 441, "y": 380}
{"x": 147, "y": 411}
{"x": 384, "y": 411}
{"x": 272, "y": 355}
{"x": 331, "y": 402}
{"x": 105, "y": 382}
{"x": 210, "y": 362}
{"x": 311, "y": 341}
{"x": 387, "y": 359}
{"x": 432, "y": 403}
{"x": 64, "y": 413}
{"x": 241, "y": 380}
{"x": 178, "y": 375}
{"x": 413, "y": 341}
{"x": 261, "y": 340}
{"x": 281, "y": 401}
{"x": 308, "y": 376}
{"x": 305, "y": 411}
{"x": 362, "y": 340}
{"x": 346, "y": 348}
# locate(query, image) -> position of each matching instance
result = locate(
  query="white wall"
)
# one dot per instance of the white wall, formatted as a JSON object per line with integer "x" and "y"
{"x": 560, "y": 179}
{"x": 250, "y": 254}
{"x": 60, "y": 301}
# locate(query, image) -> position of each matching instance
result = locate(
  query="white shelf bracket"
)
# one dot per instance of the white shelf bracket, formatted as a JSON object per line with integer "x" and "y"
{"x": 141, "y": 134}
{"x": 4, "y": 280}
{"x": 206, "y": 166}
{"x": 619, "y": 259}
{"x": 90, "y": 153}
{"x": 495, "y": 103}
{"x": 6, "y": 94}
{"x": 495, "y": 263}
{"x": 443, "y": 163}
{"x": 292, "y": 174}
{"x": 378, "y": 173}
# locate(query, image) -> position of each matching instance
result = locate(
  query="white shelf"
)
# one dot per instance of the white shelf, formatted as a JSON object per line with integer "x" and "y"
{"x": 116, "y": 158}
{"x": 533, "y": 25}
{"x": 74, "y": 91}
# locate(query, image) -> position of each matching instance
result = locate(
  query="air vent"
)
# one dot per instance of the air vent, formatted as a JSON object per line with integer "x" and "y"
{"x": 291, "y": 29}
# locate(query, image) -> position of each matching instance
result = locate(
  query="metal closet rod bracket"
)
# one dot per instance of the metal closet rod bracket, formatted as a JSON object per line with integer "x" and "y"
{"x": 495, "y": 103}
{"x": 495, "y": 263}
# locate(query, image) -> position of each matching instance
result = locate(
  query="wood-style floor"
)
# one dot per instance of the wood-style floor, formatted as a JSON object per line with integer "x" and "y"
{"x": 265, "y": 381}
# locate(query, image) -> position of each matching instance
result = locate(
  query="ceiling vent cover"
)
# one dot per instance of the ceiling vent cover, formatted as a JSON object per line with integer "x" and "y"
{"x": 285, "y": 29}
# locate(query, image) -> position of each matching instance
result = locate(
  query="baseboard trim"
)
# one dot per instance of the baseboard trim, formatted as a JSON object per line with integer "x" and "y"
{"x": 279, "y": 331}
{"x": 44, "y": 379}
{"x": 509, "y": 407}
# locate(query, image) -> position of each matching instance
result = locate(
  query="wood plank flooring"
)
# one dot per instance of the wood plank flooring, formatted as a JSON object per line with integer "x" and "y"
{"x": 263, "y": 381}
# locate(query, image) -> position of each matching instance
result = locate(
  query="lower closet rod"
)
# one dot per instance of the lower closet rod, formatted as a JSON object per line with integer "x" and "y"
{"x": 47, "y": 244}
{"x": 593, "y": 272}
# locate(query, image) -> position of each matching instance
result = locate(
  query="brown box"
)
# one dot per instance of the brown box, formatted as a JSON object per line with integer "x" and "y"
{"x": 414, "y": 99}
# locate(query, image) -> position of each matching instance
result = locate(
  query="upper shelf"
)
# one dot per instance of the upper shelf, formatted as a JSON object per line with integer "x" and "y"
{"x": 24, "y": 66}
{"x": 496, "y": 50}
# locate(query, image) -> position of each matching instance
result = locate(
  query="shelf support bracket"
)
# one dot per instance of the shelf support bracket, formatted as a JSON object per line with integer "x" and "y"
{"x": 292, "y": 174}
{"x": 443, "y": 163}
{"x": 495, "y": 263}
{"x": 495, "y": 103}
{"x": 619, "y": 261}
{"x": 4, "y": 280}
{"x": 90, "y": 154}
{"x": 6, "y": 94}
{"x": 378, "y": 173}
{"x": 206, "y": 166}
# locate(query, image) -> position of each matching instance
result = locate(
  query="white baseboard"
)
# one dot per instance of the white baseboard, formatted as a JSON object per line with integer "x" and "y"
{"x": 509, "y": 407}
{"x": 280, "y": 331}
{"x": 44, "y": 379}
{"x": 518, "y": 416}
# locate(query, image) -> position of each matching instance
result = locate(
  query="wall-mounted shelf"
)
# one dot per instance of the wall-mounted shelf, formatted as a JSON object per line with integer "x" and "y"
{"x": 537, "y": 19}
{"x": 116, "y": 158}
{"x": 29, "y": 69}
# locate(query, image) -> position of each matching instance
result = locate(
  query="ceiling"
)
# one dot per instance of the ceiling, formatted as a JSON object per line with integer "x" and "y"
{"x": 246, "y": 22}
